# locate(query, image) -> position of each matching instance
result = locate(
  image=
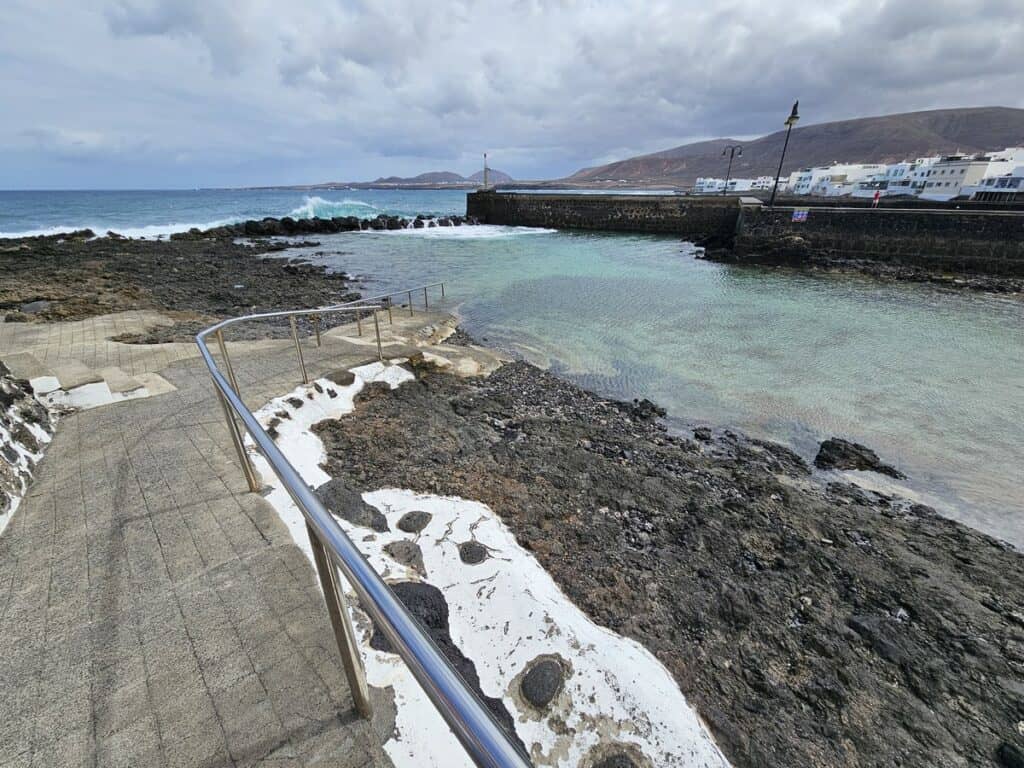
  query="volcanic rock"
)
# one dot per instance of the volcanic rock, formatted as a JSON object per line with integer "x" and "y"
{"x": 836, "y": 453}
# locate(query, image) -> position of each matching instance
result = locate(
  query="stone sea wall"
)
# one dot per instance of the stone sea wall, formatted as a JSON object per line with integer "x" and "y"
{"x": 953, "y": 241}
{"x": 690, "y": 217}
{"x": 989, "y": 242}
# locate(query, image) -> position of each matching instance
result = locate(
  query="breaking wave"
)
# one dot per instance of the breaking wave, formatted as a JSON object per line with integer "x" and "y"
{"x": 148, "y": 231}
{"x": 318, "y": 208}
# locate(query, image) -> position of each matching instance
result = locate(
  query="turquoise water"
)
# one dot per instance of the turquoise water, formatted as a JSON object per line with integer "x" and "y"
{"x": 933, "y": 381}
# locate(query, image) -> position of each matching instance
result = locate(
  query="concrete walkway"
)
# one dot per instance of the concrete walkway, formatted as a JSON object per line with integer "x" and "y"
{"x": 154, "y": 612}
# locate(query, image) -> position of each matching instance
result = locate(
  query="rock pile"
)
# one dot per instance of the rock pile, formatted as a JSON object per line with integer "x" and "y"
{"x": 289, "y": 227}
{"x": 25, "y": 429}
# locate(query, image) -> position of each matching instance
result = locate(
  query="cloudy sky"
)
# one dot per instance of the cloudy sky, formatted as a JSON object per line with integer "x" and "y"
{"x": 185, "y": 93}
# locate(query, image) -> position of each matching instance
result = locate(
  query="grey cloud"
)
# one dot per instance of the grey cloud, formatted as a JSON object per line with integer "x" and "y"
{"x": 214, "y": 25}
{"x": 225, "y": 88}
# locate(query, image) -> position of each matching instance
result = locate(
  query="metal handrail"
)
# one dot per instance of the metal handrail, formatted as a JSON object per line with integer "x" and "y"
{"x": 385, "y": 298}
{"x": 484, "y": 740}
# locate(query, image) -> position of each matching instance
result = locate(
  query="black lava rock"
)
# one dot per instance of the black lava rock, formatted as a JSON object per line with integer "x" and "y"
{"x": 812, "y": 603}
{"x": 341, "y": 377}
{"x": 618, "y": 760}
{"x": 347, "y": 504}
{"x": 472, "y": 552}
{"x": 836, "y": 453}
{"x": 427, "y": 604}
{"x": 542, "y": 682}
{"x": 415, "y": 521}
{"x": 407, "y": 553}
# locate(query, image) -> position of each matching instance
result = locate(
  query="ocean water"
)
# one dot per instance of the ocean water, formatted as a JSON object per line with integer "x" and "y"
{"x": 932, "y": 380}
{"x": 154, "y": 213}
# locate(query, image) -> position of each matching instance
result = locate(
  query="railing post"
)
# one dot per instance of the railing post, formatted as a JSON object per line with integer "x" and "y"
{"x": 359, "y": 322}
{"x": 426, "y": 304}
{"x": 298, "y": 349}
{"x": 227, "y": 363}
{"x": 388, "y": 302}
{"x": 442, "y": 291}
{"x": 315, "y": 320}
{"x": 410, "y": 303}
{"x": 376, "y": 328}
{"x": 236, "y": 438}
{"x": 341, "y": 622}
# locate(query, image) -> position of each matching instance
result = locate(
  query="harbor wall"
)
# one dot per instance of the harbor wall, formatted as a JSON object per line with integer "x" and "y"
{"x": 689, "y": 217}
{"x": 986, "y": 242}
{"x": 947, "y": 240}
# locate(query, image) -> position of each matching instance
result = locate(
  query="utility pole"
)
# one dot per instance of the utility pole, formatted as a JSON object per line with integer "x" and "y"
{"x": 790, "y": 122}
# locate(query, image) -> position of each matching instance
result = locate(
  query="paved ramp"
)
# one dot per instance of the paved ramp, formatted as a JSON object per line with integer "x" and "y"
{"x": 155, "y": 613}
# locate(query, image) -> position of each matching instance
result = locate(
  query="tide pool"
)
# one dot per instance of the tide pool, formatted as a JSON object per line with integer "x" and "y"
{"x": 933, "y": 381}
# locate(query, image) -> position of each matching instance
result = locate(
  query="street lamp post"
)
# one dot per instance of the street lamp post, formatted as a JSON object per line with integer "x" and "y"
{"x": 734, "y": 150}
{"x": 790, "y": 122}
{"x": 485, "y": 170}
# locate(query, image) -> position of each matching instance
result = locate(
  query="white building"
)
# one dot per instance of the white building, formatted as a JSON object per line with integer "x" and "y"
{"x": 919, "y": 173}
{"x": 713, "y": 186}
{"x": 897, "y": 179}
{"x": 800, "y": 182}
{"x": 708, "y": 186}
{"x": 1005, "y": 161}
{"x": 832, "y": 180}
{"x": 1004, "y": 188}
{"x": 947, "y": 178}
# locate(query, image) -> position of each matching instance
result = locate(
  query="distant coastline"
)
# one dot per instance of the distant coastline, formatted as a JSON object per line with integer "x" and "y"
{"x": 458, "y": 186}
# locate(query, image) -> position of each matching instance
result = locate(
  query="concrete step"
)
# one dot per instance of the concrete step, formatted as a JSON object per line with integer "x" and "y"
{"x": 24, "y": 365}
{"x": 74, "y": 373}
{"x": 119, "y": 381}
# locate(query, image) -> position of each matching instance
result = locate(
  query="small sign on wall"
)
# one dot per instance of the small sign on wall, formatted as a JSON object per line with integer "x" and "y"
{"x": 800, "y": 214}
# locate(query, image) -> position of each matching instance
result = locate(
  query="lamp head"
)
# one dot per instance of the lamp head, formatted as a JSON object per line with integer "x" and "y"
{"x": 794, "y": 116}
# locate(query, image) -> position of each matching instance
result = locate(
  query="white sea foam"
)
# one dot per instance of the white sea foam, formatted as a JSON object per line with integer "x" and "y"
{"x": 466, "y": 232}
{"x": 147, "y": 232}
{"x": 318, "y": 207}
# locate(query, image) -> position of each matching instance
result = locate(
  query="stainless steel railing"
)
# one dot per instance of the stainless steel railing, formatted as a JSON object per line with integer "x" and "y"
{"x": 484, "y": 740}
{"x": 385, "y": 299}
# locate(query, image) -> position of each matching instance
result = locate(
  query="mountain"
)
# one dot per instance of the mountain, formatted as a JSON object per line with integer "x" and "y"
{"x": 443, "y": 178}
{"x": 431, "y": 177}
{"x": 889, "y": 138}
{"x": 494, "y": 176}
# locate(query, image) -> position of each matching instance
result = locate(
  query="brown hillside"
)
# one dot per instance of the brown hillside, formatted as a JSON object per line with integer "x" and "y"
{"x": 869, "y": 139}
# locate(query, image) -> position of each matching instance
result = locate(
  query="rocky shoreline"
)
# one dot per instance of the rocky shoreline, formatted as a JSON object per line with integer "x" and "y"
{"x": 195, "y": 275}
{"x": 794, "y": 252}
{"x": 76, "y": 276}
{"x": 26, "y": 426}
{"x": 810, "y": 621}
